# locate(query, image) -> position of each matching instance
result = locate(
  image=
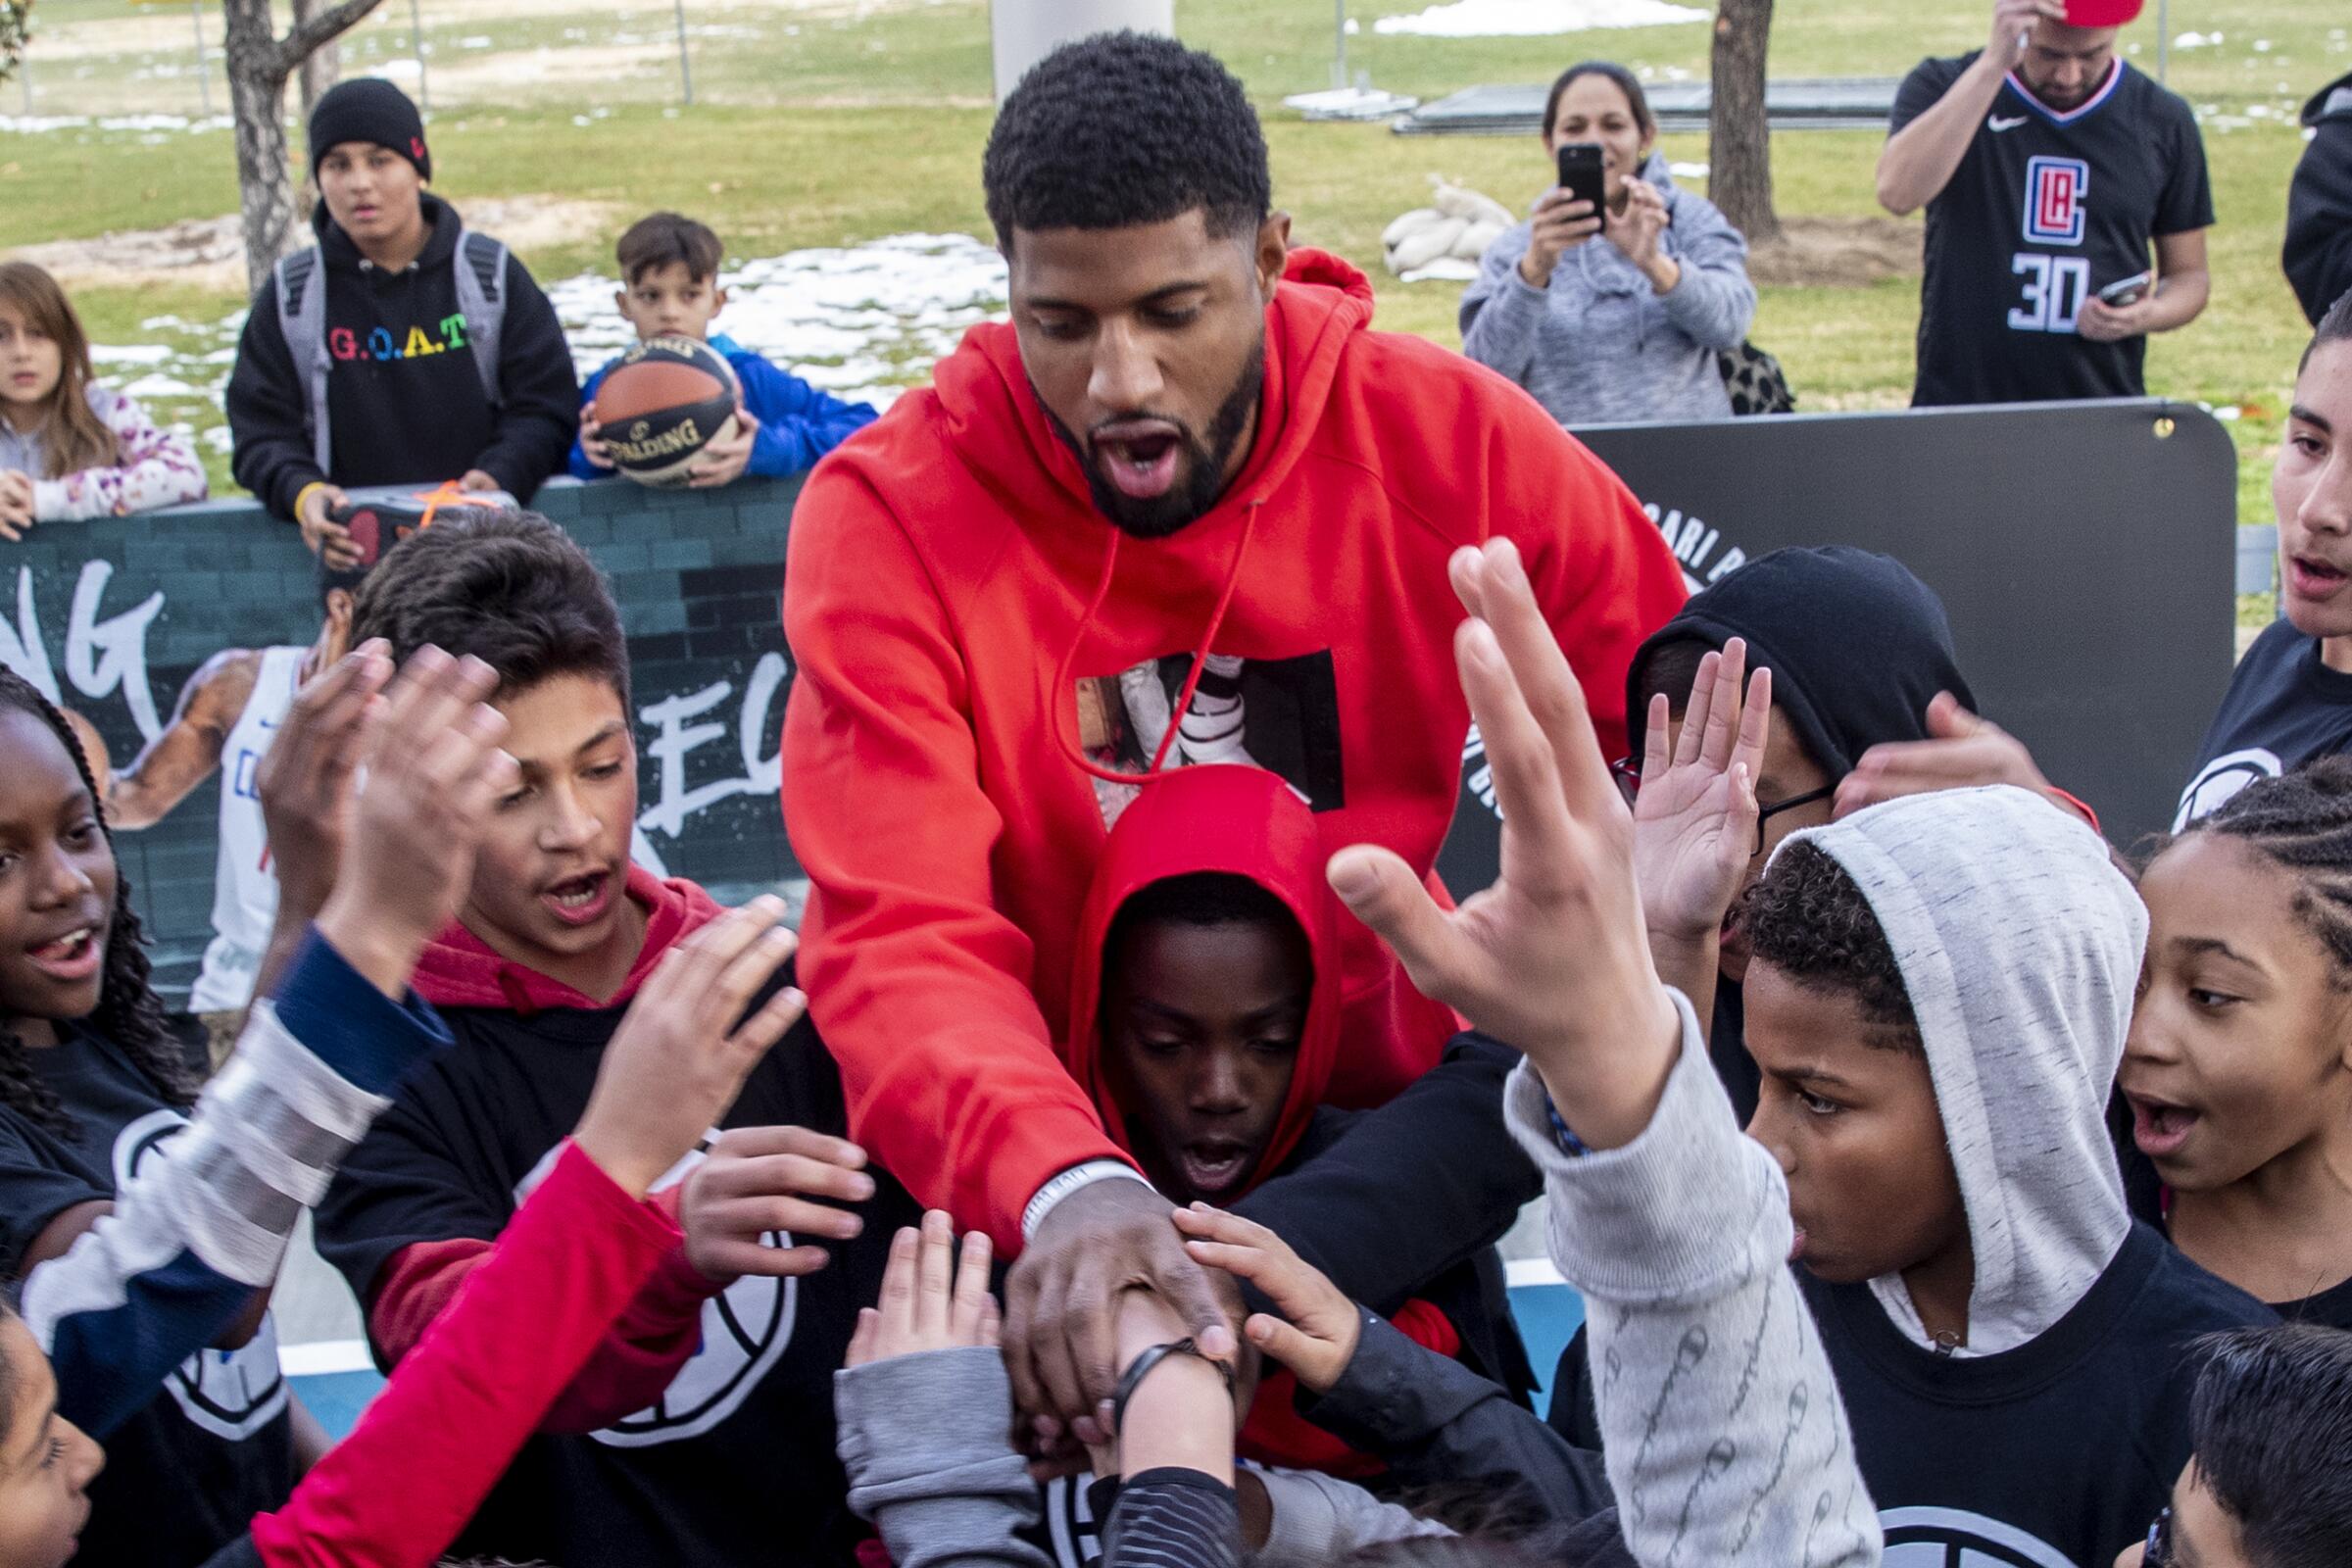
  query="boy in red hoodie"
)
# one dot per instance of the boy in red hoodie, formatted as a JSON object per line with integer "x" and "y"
{"x": 714, "y": 1387}
{"x": 1205, "y": 1016}
{"x": 1184, "y": 505}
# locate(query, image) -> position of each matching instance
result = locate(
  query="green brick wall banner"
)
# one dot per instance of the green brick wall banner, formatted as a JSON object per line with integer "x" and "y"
{"x": 111, "y": 617}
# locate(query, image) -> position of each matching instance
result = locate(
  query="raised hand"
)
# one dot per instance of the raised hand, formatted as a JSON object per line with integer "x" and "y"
{"x": 928, "y": 1302}
{"x": 2013, "y": 23}
{"x": 434, "y": 773}
{"x": 1316, "y": 1335}
{"x": 680, "y": 1056}
{"x": 762, "y": 1179}
{"x": 1553, "y": 958}
{"x": 305, "y": 777}
{"x": 1695, "y": 817}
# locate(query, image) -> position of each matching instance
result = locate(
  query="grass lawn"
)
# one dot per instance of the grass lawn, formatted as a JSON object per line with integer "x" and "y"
{"x": 835, "y": 123}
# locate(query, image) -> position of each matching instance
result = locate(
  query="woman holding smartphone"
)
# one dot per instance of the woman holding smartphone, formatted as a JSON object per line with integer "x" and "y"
{"x": 1616, "y": 310}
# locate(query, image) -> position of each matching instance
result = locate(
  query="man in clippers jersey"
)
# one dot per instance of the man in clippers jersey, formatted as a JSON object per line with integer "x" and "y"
{"x": 2048, "y": 167}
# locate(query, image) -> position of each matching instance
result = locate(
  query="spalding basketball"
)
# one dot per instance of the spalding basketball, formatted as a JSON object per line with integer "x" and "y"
{"x": 668, "y": 399}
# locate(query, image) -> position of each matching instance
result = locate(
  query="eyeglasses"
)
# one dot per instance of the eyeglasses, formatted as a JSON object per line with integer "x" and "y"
{"x": 1625, "y": 771}
{"x": 2159, "y": 1552}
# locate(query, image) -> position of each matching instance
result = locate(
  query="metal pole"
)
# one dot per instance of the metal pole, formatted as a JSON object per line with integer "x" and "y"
{"x": 685, "y": 72}
{"x": 1338, "y": 27}
{"x": 424, "y": 97}
{"x": 204, "y": 85}
{"x": 24, "y": 75}
{"x": 2164, "y": 37}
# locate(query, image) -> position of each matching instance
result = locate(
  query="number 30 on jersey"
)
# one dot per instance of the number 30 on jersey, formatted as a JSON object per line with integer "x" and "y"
{"x": 2055, "y": 288}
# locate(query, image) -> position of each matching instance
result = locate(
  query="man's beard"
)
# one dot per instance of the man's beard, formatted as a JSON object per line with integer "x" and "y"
{"x": 1184, "y": 503}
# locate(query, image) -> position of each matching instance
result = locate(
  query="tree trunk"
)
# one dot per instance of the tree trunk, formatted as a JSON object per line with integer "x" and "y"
{"x": 16, "y": 31}
{"x": 259, "y": 63}
{"x": 1739, "y": 132}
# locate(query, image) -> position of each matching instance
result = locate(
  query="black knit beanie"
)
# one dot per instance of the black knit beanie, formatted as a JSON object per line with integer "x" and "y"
{"x": 369, "y": 109}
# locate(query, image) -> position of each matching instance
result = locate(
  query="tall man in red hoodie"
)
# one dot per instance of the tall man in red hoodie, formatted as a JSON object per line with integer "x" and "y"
{"x": 1185, "y": 502}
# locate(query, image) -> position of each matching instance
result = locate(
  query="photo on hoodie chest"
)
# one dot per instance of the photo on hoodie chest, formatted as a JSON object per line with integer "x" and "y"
{"x": 1281, "y": 714}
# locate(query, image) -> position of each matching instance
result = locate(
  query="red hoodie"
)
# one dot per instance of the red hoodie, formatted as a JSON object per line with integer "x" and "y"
{"x": 1247, "y": 822}
{"x": 941, "y": 570}
{"x": 652, "y": 1338}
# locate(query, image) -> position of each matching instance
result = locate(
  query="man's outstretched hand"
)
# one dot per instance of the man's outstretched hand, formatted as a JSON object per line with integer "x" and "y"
{"x": 1060, "y": 1328}
{"x": 1553, "y": 958}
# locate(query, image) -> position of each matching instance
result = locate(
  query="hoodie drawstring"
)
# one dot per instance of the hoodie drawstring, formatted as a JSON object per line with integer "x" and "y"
{"x": 1192, "y": 681}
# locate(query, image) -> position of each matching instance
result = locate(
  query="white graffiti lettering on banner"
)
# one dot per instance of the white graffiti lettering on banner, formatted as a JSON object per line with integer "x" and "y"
{"x": 100, "y": 657}
{"x": 675, "y": 739}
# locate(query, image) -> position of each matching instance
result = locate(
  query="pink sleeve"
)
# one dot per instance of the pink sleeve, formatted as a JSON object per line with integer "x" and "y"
{"x": 397, "y": 1491}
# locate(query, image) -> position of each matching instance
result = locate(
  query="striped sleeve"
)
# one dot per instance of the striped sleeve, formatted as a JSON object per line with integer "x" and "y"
{"x": 1174, "y": 1518}
{"x": 195, "y": 1235}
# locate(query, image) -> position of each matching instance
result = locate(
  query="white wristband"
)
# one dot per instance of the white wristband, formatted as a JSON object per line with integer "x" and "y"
{"x": 1068, "y": 1182}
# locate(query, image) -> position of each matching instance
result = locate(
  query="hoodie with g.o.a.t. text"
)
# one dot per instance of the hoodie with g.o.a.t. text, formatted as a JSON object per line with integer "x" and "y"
{"x": 2055, "y": 1434}
{"x": 967, "y": 626}
{"x": 404, "y": 399}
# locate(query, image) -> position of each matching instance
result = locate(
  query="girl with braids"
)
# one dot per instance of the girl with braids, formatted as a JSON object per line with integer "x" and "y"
{"x": 91, "y": 1086}
{"x": 2238, "y": 1068}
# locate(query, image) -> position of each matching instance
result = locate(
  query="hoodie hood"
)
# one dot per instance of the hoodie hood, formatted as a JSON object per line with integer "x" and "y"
{"x": 459, "y": 969}
{"x": 1857, "y": 647}
{"x": 2020, "y": 945}
{"x": 1244, "y": 822}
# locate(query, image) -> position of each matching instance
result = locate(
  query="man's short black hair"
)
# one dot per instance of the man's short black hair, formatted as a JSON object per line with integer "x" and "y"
{"x": 509, "y": 588}
{"x": 1123, "y": 129}
{"x": 1197, "y": 899}
{"x": 2334, "y": 327}
{"x": 1806, "y": 918}
{"x": 2272, "y": 1422}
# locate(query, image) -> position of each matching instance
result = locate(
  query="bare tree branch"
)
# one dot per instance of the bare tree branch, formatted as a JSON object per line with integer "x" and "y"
{"x": 321, "y": 28}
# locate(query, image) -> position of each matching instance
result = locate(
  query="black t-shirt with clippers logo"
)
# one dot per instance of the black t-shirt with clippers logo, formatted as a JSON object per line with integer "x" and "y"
{"x": 734, "y": 1464}
{"x": 2045, "y": 210}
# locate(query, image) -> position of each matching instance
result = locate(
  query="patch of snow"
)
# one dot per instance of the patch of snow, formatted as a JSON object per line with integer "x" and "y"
{"x": 1526, "y": 18}
{"x": 2197, "y": 40}
{"x": 161, "y": 386}
{"x": 129, "y": 353}
{"x": 478, "y": 41}
{"x": 1687, "y": 170}
{"x": 861, "y": 321}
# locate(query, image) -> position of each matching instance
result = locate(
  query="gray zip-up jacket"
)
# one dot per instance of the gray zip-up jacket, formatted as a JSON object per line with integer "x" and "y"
{"x": 1600, "y": 345}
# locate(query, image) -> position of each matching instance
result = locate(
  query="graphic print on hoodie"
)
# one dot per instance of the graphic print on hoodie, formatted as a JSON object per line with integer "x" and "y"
{"x": 701, "y": 1398}
{"x": 2055, "y": 1436}
{"x": 952, "y": 582}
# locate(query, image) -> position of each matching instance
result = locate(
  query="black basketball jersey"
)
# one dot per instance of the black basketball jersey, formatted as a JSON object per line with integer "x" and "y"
{"x": 2045, "y": 210}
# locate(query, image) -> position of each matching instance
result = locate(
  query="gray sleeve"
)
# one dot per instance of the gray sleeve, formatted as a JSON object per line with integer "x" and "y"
{"x": 1727, "y": 1441}
{"x": 1320, "y": 1519}
{"x": 1712, "y": 302}
{"x": 923, "y": 1440}
{"x": 1500, "y": 310}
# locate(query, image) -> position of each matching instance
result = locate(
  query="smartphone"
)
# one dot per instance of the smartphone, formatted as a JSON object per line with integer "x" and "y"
{"x": 2126, "y": 291}
{"x": 1580, "y": 175}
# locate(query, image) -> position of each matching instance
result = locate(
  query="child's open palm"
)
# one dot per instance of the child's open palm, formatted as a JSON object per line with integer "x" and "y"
{"x": 1695, "y": 817}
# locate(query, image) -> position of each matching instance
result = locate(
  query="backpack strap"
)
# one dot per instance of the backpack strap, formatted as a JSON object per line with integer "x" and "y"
{"x": 481, "y": 275}
{"x": 302, "y": 321}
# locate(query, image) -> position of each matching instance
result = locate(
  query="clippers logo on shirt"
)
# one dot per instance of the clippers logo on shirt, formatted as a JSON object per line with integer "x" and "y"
{"x": 1953, "y": 1537}
{"x": 2056, "y": 188}
{"x": 230, "y": 1394}
{"x": 744, "y": 1330}
{"x": 2221, "y": 778}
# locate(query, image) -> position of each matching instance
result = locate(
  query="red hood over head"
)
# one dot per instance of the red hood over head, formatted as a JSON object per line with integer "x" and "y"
{"x": 1244, "y": 822}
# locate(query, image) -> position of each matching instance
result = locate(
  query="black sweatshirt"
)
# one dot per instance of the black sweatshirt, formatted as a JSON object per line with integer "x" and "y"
{"x": 405, "y": 401}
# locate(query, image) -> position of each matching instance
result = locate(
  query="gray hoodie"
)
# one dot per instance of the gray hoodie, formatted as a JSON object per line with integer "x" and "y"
{"x": 1600, "y": 345}
{"x": 2020, "y": 945}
